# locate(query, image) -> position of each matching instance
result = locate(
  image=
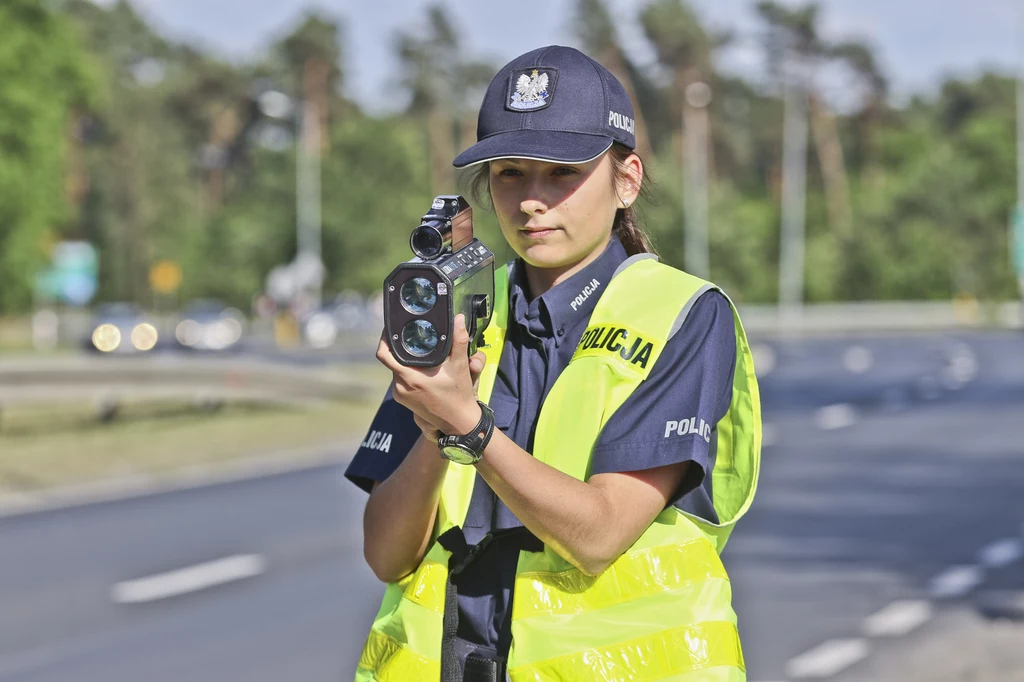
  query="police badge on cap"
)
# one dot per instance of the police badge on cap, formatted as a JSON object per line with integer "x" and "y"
{"x": 531, "y": 89}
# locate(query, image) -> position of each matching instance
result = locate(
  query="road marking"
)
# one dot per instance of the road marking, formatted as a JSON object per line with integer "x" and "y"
{"x": 765, "y": 359}
{"x": 962, "y": 366}
{"x": 858, "y": 359}
{"x": 827, "y": 658}
{"x": 191, "y": 579}
{"x": 1001, "y": 553}
{"x": 955, "y": 581}
{"x": 769, "y": 435}
{"x": 898, "y": 618}
{"x": 836, "y": 416}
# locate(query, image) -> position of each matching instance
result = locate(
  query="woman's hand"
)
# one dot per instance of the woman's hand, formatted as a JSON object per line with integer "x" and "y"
{"x": 442, "y": 398}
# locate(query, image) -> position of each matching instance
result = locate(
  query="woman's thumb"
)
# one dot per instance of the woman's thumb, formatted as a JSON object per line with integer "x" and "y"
{"x": 460, "y": 337}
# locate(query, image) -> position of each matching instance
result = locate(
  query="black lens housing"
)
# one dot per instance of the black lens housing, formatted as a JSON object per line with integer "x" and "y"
{"x": 428, "y": 241}
{"x": 461, "y": 275}
{"x": 413, "y": 298}
{"x": 415, "y": 333}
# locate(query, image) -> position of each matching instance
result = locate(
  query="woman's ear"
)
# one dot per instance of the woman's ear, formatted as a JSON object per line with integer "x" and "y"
{"x": 630, "y": 178}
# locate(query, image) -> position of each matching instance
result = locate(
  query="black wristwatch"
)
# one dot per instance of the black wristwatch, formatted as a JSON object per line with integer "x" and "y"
{"x": 469, "y": 449}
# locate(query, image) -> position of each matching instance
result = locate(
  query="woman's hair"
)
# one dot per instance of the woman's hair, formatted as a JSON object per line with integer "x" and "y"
{"x": 628, "y": 225}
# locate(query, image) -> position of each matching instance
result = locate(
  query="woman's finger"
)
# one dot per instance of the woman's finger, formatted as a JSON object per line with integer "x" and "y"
{"x": 476, "y": 364}
{"x": 385, "y": 357}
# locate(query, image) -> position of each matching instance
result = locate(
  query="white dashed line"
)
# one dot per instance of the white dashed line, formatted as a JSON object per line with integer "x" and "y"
{"x": 962, "y": 366}
{"x": 769, "y": 435}
{"x": 898, "y": 618}
{"x": 765, "y": 359}
{"x": 858, "y": 359}
{"x": 191, "y": 579}
{"x": 1001, "y": 553}
{"x": 827, "y": 659}
{"x": 836, "y": 416}
{"x": 903, "y": 616}
{"x": 955, "y": 581}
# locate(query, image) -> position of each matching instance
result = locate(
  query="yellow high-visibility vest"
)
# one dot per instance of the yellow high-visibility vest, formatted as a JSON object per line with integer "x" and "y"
{"x": 662, "y": 610}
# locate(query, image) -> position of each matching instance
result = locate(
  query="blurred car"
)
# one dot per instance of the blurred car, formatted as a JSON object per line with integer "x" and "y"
{"x": 322, "y": 327}
{"x": 121, "y": 328}
{"x": 209, "y": 325}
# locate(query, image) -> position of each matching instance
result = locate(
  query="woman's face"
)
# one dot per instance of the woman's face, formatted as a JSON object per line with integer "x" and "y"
{"x": 554, "y": 215}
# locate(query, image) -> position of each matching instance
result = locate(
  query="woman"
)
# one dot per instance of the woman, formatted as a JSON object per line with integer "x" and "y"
{"x": 610, "y": 428}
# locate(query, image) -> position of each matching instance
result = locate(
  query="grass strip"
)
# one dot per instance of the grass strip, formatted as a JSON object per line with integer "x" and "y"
{"x": 47, "y": 446}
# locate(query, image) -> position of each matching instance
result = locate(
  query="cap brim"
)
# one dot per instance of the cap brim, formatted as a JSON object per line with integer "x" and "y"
{"x": 554, "y": 146}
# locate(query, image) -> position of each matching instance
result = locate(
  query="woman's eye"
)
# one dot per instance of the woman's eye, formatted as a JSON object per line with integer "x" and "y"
{"x": 565, "y": 170}
{"x": 509, "y": 172}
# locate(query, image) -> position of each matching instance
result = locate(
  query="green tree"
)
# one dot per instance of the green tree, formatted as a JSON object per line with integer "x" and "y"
{"x": 597, "y": 31}
{"x": 44, "y": 77}
{"x": 445, "y": 87}
{"x": 684, "y": 48}
{"x": 793, "y": 41}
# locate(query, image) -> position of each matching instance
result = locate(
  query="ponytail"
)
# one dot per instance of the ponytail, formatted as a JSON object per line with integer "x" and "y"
{"x": 629, "y": 224}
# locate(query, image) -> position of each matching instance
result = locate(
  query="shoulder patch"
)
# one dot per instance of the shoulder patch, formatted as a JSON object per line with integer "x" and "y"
{"x": 620, "y": 343}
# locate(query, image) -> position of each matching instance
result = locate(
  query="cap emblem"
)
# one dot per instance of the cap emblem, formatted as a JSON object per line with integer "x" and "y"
{"x": 531, "y": 91}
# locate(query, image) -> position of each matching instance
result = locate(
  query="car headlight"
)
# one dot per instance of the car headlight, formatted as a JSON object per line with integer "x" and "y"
{"x": 221, "y": 334}
{"x": 144, "y": 336}
{"x": 106, "y": 338}
{"x": 321, "y": 331}
{"x": 188, "y": 332}
{"x": 230, "y": 330}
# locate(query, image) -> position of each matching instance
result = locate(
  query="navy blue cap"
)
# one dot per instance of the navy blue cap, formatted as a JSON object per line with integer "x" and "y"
{"x": 552, "y": 104}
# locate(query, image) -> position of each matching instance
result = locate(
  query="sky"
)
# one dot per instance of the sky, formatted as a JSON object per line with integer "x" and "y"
{"x": 918, "y": 41}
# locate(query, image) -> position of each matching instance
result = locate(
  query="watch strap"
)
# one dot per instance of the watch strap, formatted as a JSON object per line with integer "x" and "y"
{"x": 478, "y": 437}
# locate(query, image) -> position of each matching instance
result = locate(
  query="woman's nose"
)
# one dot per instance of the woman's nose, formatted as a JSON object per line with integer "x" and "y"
{"x": 533, "y": 199}
{"x": 532, "y": 207}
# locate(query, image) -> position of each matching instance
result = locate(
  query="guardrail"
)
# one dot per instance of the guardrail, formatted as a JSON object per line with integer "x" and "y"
{"x": 74, "y": 378}
{"x": 880, "y": 317}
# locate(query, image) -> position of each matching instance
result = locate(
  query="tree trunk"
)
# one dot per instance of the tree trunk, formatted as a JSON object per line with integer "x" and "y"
{"x": 684, "y": 79}
{"x": 833, "y": 168}
{"x": 315, "y": 79}
{"x": 76, "y": 178}
{"x": 440, "y": 144}
{"x": 614, "y": 62}
{"x": 872, "y": 174}
{"x": 467, "y": 131}
{"x": 223, "y": 129}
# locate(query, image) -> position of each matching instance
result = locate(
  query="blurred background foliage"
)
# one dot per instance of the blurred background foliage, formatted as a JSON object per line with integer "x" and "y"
{"x": 154, "y": 150}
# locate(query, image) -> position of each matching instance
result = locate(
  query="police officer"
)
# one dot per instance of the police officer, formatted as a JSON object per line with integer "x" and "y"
{"x": 596, "y": 452}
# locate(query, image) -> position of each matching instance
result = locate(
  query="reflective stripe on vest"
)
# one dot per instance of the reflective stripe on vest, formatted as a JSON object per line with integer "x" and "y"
{"x": 663, "y": 609}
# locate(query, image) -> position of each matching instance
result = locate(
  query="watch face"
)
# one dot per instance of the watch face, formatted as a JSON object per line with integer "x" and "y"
{"x": 459, "y": 455}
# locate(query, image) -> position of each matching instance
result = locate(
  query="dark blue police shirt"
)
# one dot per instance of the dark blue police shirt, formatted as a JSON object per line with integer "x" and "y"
{"x": 692, "y": 379}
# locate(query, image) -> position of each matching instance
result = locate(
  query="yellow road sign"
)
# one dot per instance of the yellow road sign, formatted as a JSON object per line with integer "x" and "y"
{"x": 165, "y": 277}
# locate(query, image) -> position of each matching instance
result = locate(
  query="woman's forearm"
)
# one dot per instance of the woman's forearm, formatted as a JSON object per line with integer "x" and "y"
{"x": 399, "y": 516}
{"x": 577, "y": 520}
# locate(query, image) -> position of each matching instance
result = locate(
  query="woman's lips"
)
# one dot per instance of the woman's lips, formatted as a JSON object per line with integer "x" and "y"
{"x": 538, "y": 232}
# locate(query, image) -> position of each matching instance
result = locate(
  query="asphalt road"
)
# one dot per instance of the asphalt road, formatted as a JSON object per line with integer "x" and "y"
{"x": 889, "y": 461}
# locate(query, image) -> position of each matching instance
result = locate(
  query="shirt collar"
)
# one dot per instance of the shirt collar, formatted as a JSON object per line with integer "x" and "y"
{"x": 565, "y": 304}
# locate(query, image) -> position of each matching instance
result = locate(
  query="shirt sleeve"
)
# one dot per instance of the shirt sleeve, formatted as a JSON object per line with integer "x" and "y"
{"x": 392, "y": 434}
{"x": 673, "y": 415}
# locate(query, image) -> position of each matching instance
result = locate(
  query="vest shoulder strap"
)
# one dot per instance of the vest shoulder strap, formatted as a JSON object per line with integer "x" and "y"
{"x": 459, "y": 481}
{"x": 645, "y": 304}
